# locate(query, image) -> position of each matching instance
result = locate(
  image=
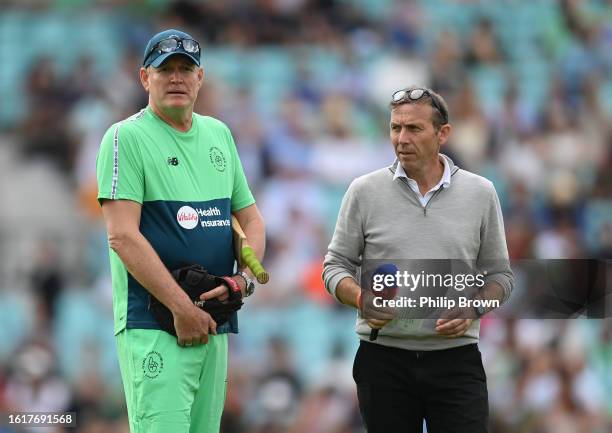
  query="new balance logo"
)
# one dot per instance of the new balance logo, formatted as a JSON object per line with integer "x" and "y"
{"x": 173, "y": 160}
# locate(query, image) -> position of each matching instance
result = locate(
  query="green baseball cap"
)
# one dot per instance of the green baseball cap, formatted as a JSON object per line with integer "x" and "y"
{"x": 169, "y": 43}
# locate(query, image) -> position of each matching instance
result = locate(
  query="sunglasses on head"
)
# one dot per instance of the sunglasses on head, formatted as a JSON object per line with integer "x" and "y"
{"x": 416, "y": 94}
{"x": 174, "y": 43}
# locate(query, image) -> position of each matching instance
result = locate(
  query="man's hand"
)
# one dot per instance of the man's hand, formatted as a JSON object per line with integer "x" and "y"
{"x": 455, "y": 322}
{"x": 350, "y": 293}
{"x": 193, "y": 325}
{"x": 221, "y": 292}
{"x": 376, "y": 317}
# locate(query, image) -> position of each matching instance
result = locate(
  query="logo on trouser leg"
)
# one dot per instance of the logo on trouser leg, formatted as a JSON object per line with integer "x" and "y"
{"x": 152, "y": 365}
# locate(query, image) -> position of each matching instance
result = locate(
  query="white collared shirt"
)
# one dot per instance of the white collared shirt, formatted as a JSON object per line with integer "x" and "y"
{"x": 444, "y": 182}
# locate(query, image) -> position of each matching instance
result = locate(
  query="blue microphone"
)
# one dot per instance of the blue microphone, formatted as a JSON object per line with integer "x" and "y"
{"x": 384, "y": 270}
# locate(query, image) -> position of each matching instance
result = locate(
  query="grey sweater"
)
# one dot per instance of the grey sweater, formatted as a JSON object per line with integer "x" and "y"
{"x": 382, "y": 218}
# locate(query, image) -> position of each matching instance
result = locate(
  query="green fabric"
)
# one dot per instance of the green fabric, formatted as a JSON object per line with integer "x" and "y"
{"x": 146, "y": 160}
{"x": 145, "y": 143}
{"x": 169, "y": 388}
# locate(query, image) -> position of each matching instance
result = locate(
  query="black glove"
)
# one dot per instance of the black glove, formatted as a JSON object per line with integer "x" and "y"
{"x": 195, "y": 280}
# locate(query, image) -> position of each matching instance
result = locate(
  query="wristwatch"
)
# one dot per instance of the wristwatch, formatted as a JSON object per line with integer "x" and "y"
{"x": 250, "y": 285}
{"x": 480, "y": 311}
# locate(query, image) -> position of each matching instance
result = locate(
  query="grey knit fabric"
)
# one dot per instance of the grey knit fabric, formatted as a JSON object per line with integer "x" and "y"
{"x": 382, "y": 218}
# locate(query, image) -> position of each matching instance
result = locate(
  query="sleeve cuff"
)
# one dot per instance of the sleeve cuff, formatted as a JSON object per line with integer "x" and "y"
{"x": 503, "y": 282}
{"x": 335, "y": 280}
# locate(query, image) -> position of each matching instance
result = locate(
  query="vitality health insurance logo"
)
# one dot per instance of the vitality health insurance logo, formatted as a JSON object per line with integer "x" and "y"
{"x": 187, "y": 217}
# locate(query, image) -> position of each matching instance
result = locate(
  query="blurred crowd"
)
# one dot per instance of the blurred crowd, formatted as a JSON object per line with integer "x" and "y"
{"x": 304, "y": 86}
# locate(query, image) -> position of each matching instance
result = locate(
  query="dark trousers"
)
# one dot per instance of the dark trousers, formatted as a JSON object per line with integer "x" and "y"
{"x": 398, "y": 389}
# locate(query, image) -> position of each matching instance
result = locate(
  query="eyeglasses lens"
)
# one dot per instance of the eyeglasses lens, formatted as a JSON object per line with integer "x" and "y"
{"x": 190, "y": 45}
{"x": 168, "y": 45}
{"x": 399, "y": 95}
{"x": 416, "y": 94}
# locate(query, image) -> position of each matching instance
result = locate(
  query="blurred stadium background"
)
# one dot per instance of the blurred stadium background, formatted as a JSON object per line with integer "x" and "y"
{"x": 304, "y": 84}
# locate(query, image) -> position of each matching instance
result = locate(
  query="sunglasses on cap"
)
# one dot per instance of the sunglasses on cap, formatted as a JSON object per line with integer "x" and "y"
{"x": 171, "y": 44}
{"x": 416, "y": 94}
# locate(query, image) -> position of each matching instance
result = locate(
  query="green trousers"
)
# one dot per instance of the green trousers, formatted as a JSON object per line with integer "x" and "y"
{"x": 169, "y": 388}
